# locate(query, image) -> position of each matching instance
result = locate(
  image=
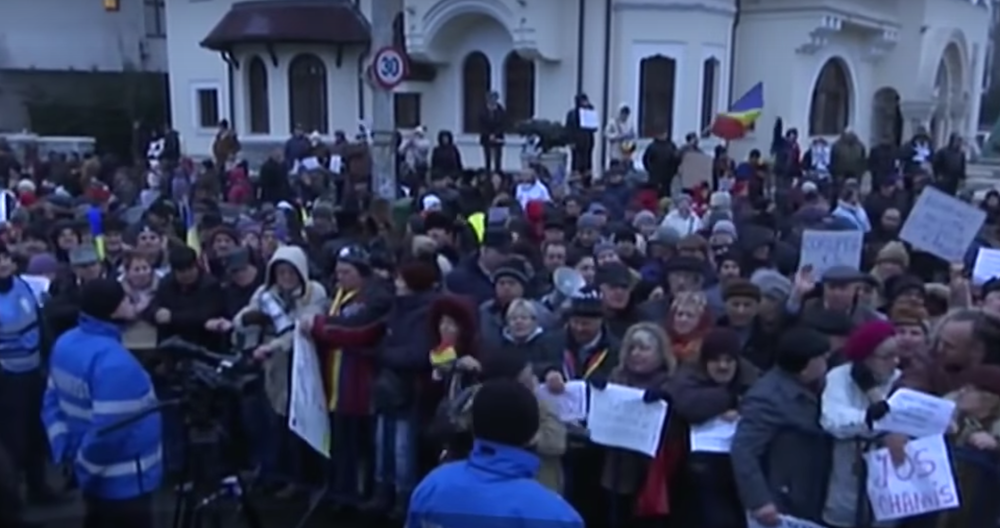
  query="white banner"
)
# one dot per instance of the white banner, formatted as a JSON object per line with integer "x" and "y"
{"x": 923, "y": 484}
{"x": 307, "y": 411}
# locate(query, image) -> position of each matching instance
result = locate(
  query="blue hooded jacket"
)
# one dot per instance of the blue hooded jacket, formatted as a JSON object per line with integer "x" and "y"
{"x": 494, "y": 487}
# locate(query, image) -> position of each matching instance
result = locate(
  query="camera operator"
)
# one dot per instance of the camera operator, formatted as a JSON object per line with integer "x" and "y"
{"x": 94, "y": 384}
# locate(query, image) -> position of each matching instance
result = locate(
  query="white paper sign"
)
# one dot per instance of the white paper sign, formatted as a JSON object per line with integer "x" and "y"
{"x": 916, "y": 414}
{"x": 923, "y": 484}
{"x": 39, "y": 286}
{"x": 942, "y": 225}
{"x": 824, "y": 249}
{"x": 987, "y": 265}
{"x": 619, "y": 418}
{"x": 713, "y": 436}
{"x": 571, "y": 405}
{"x": 307, "y": 411}
{"x": 787, "y": 521}
{"x": 588, "y": 119}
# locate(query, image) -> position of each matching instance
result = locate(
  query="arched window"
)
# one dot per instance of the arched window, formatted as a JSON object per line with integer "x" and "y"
{"x": 709, "y": 92}
{"x": 307, "y": 94}
{"x": 657, "y": 76}
{"x": 476, "y": 80}
{"x": 831, "y": 100}
{"x": 257, "y": 97}
{"x": 519, "y": 87}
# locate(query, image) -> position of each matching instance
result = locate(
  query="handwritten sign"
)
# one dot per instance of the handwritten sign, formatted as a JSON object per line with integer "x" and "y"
{"x": 987, "y": 265}
{"x": 923, "y": 484}
{"x": 571, "y": 405}
{"x": 942, "y": 225}
{"x": 713, "y": 436}
{"x": 619, "y": 418}
{"x": 916, "y": 414}
{"x": 307, "y": 411}
{"x": 786, "y": 521}
{"x": 825, "y": 249}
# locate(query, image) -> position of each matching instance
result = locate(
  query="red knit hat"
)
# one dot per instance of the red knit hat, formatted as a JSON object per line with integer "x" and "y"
{"x": 866, "y": 338}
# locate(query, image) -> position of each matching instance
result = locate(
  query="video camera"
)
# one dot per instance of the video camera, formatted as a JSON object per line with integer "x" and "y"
{"x": 202, "y": 368}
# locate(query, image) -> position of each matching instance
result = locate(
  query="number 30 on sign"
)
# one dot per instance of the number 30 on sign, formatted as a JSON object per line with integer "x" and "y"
{"x": 389, "y": 67}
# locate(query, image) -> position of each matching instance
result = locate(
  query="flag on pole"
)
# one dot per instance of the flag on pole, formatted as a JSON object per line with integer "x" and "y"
{"x": 95, "y": 219}
{"x": 735, "y": 123}
{"x": 191, "y": 237}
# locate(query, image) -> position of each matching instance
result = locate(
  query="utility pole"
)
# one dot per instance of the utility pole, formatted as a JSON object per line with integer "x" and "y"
{"x": 383, "y": 118}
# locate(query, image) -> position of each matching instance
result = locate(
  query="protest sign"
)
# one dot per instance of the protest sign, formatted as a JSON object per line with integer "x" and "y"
{"x": 987, "y": 266}
{"x": 942, "y": 225}
{"x": 571, "y": 404}
{"x": 916, "y": 414}
{"x": 713, "y": 436}
{"x": 824, "y": 249}
{"x": 619, "y": 418}
{"x": 307, "y": 412}
{"x": 923, "y": 484}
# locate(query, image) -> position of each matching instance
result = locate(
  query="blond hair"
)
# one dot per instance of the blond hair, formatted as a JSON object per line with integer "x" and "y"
{"x": 521, "y": 306}
{"x": 651, "y": 335}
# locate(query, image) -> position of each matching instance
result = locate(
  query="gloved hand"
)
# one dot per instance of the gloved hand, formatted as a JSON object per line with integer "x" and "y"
{"x": 655, "y": 395}
{"x": 254, "y": 318}
{"x": 598, "y": 383}
{"x": 876, "y": 412}
{"x": 863, "y": 377}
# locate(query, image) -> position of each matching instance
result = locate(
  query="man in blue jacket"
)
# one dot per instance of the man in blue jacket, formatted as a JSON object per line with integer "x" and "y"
{"x": 94, "y": 383}
{"x": 495, "y": 486}
{"x": 21, "y": 379}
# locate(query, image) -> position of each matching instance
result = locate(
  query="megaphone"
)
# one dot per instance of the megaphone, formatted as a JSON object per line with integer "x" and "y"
{"x": 567, "y": 281}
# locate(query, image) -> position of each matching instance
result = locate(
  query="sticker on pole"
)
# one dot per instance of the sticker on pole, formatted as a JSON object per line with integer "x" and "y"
{"x": 389, "y": 67}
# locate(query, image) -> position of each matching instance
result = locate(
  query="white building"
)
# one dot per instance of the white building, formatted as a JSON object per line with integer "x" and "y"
{"x": 62, "y": 51}
{"x": 880, "y": 67}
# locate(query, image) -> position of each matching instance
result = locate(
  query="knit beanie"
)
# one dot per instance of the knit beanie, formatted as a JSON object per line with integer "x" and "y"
{"x": 505, "y": 412}
{"x": 772, "y": 284}
{"x": 866, "y": 338}
{"x": 798, "y": 346}
{"x": 720, "y": 342}
{"x": 514, "y": 268}
{"x": 100, "y": 298}
{"x": 42, "y": 264}
{"x": 894, "y": 252}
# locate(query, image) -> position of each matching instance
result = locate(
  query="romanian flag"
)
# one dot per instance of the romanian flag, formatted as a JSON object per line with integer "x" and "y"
{"x": 443, "y": 355}
{"x": 735, "y": 123}
{"x": 96, "y": 222}
{"x": 191, "y": 237}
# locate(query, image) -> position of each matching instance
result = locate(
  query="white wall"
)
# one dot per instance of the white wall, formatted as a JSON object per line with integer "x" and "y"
{"x": 78, "y": 35}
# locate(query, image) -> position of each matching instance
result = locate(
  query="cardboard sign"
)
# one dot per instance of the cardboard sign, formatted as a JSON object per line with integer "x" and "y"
{"x": 825, "y": 249}
{"x": 942, "y": 225}
{"x": 923, "y": 484}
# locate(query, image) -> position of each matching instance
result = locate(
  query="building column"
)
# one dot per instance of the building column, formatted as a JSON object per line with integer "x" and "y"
{"x": 916, "y": 115}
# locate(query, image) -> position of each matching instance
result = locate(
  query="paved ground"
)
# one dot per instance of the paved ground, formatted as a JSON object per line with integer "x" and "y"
{"x": 285, "y": 514}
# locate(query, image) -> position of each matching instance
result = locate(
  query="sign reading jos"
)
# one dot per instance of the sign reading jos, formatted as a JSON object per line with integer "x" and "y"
{"x": 942, "y": 225}
{"x": 922, "y": 484}
{"x": 824, "y": 249}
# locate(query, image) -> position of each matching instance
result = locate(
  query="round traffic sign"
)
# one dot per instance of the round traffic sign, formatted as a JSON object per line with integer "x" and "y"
{"x": 389, "y": 67}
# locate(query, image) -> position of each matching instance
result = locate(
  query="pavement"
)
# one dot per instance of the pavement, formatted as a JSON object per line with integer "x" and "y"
{"x": 274, "y": 514}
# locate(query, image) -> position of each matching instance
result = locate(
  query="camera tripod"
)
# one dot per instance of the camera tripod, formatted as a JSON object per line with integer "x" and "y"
{"x": 210, "y": 478}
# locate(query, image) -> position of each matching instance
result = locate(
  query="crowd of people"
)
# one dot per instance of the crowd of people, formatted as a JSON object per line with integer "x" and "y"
{"x": 436, "y": 331}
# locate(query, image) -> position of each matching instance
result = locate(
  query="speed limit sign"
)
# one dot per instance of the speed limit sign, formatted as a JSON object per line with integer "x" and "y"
{"x": 389, "y": 67}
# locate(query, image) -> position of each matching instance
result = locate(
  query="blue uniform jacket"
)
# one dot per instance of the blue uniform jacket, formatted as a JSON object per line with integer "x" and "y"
{"x": 20, "y": 331}
{"x": 95, "y": 382}
{"x": 494, "y": 487}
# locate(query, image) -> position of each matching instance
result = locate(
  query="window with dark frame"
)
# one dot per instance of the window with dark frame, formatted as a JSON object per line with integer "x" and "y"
{"x": 829, "y": 111}
{"x": 308, "y": 100}
{"x": 406, "y": 109}
{"x": 208, "y": 108}
{"x": 476, "y": 82}
{"x": 709, "y": 93}
{"x": 156, "y": 19}
{"x": 258, "y": 97}
{"x": 657, "y": 77}
{"x": 519, "y": 87}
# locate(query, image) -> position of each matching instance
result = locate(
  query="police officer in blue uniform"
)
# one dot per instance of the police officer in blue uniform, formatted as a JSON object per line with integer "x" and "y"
{"x": 21, "y": 380}
{"x": 94, "y": 384}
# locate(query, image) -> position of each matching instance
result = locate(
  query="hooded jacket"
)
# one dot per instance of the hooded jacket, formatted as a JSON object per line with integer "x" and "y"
{"x": 308, "y": 301}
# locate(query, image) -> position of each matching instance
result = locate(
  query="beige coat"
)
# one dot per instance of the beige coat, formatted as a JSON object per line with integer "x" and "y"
{"x": 311, "y": 302}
